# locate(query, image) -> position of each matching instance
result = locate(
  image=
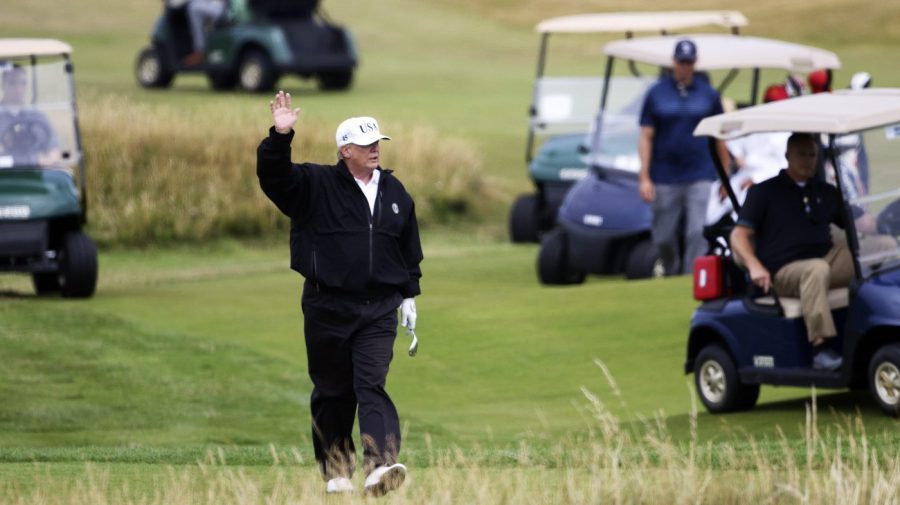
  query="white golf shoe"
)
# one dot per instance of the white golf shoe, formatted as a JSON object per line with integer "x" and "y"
{"x": 384, "y": 479}
{"x": 339, "y": 485}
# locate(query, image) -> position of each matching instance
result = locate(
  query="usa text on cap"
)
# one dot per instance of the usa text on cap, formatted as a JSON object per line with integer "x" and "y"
{"x": 361, "y": 131}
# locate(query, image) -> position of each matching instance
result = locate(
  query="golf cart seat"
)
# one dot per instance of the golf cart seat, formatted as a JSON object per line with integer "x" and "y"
{"x": 837, "y": 299}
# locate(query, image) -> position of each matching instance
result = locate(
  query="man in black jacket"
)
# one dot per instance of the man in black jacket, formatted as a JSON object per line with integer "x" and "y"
{"x": 355, "y": 240}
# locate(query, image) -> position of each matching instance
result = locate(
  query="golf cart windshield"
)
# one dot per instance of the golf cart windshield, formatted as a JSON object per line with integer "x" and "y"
{"x": 615, "y": 131}
{"x": 565, "y": 104}
{"x": 871, "y": 185}
{"x": 37, "y": 116}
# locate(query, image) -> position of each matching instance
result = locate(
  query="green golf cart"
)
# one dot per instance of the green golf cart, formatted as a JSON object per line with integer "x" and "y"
{"x": 42, "y": 177}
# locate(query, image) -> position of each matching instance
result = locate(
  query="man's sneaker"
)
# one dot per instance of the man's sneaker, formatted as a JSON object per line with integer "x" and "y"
{"x": 384, "y": 479}
{"x": 826, "y": 359}
{"x": 339, "y": 485}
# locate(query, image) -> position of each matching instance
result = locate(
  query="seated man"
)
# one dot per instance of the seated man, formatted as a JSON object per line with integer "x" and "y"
{"x": 789, "y": 217}
{"x": 26, "y": 136}
{"x": 200, "y": 13}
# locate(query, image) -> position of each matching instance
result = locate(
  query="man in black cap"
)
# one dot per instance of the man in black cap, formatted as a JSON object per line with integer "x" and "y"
{"x": 676, "y": 167}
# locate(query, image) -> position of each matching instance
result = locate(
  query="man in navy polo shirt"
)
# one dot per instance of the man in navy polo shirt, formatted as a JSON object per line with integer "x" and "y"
{"x": 676, "y": 167}
{"x": 789, "y": 218}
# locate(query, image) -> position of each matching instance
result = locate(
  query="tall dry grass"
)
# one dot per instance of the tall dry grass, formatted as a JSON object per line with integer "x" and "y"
{"x": 615, "y": 464}
{"x": 163, "y": 174}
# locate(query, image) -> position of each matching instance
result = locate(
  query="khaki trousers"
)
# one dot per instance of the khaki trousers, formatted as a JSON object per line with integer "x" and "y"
{"x": 810, "y": 280}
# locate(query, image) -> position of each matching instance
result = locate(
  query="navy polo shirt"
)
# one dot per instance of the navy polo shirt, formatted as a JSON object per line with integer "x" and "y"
{"x": 790, "y": 222}
{"x": 678, "y": 156}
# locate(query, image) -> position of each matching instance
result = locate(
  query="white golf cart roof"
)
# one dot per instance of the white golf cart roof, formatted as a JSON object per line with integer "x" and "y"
{"x": 717, "y": 52}
{"x": 840, "y": 112}
{"x": 665, "y": 21}
{"x": 10, "y": 48}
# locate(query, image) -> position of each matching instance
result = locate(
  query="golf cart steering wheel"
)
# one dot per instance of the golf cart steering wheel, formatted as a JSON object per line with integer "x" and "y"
{"x": 26, "y": 138}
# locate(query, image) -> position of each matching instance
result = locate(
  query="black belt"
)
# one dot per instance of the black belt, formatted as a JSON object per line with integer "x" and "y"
{"x": 363, "y": 296}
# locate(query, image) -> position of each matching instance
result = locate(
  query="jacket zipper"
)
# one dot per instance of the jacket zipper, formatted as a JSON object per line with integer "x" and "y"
{"x": 315, "y": 271}
{"x": 374, "y": 219}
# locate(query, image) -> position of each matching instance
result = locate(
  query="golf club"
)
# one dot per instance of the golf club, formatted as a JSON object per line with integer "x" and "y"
{"x": 414, "y": 346}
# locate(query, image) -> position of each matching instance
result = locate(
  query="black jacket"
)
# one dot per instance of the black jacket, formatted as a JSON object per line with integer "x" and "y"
{"x": 336, "y": 242}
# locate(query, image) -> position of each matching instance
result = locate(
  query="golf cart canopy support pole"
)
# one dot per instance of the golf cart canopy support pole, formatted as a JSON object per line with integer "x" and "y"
{"x": 849, "y": 222}
{"x": 82, "y": 175}
{"x": 754, "y": 86}
{"x": 596, "y": 133}
{"x": 607, "y": 75}
{"x": 713, "y": 144}
{"x": 542, "y": 57}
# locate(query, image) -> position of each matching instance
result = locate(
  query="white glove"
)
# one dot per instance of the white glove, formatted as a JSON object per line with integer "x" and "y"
{"x": 408, "y": 313}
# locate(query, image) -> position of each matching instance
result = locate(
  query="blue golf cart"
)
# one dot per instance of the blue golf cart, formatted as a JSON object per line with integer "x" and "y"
{"x": 740, "y": 339}
{"x": 603, "y": 226}
{"x": 563, "y": 109}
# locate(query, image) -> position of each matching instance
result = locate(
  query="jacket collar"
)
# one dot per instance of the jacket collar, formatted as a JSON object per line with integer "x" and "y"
{"x": 345, "y": 171}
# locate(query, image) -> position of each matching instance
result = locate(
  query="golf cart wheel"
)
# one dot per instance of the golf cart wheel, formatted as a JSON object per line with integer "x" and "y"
{"x": 718, "y": 384}
{"x": 644, "y": 261}
{"x": 222, "y": 80}
{"x": 45, "y": 283}
{"x": 78, "y": 266}
{"x": 523, "y": 219}
{"x": 335, "y": 81}
{"x": 884, "y": 379}
{"x": 151, "y": 70}
{"x": 256, "y": 72}
{"x": 553, "y": 268}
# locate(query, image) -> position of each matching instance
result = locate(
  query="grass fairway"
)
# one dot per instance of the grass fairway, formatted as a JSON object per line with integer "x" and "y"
{"x": 189, "y": 347}
{"x": 184, "y": 379}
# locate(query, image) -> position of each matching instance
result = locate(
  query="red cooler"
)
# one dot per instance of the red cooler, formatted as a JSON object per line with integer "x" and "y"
{"x": 708, "y": 283}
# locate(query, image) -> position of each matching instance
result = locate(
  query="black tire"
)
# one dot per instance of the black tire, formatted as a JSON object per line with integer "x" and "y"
{"x": 717, "y": 382}
{"x": 523, "y": 219}
{"x": 884, "y": 379}
{"x": 78, "y": 266}
{"x": 256, "y": 72}
{"x": 45, "y": 283}
{"x": 553, "y": 268}
{"x": 222, "y": 80}
{"x": 337, "y": 80}
{"x": 643, "y": 261}
{"x": 151, "y": 70}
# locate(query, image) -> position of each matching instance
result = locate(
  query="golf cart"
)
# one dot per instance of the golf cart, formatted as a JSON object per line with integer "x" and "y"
{"x": 603, "y": 226}
{"x": 740, "y": 339}
{"x": 563, "y": 107}
{"x": 251, "y": 47}
{"x": 43, "y": 204}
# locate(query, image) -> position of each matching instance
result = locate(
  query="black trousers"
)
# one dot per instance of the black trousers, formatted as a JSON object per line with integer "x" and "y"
{"x": 349, "y": 347}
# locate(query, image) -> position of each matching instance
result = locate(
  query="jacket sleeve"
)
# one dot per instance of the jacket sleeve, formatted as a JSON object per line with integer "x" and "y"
{"x": 412, "y": 254}
{"x": 286, "y": 184}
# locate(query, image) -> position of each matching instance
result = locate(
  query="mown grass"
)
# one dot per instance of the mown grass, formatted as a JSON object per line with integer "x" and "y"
{"x": 197, "y": 346}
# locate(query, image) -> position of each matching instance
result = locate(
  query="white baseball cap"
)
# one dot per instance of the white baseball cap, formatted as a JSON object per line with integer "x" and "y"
{"x": 361, "y": 131}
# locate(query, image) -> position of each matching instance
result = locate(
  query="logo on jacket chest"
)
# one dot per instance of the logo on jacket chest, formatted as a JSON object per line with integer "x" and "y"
{"x": 395, "y": 208}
